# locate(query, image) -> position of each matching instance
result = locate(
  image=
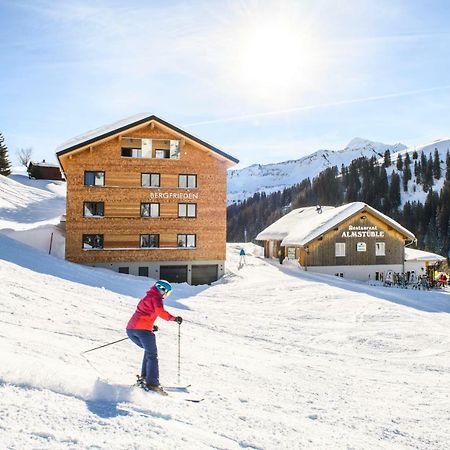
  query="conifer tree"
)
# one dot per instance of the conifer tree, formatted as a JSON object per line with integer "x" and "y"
{"x": 5, "y": 165}
{"x": 423, "y": 165}
{"x": 399, "y": 162}
{"x": 415, "y": 155}
{"x": 429, "y": 172}
{"x": 387, "y": 158}
{"x": 406, "y": 176}
{"x": 383, "y": 190}
{"x": 436, "y": 165}
{"x": 407, "y": 159}
{"x": 394, "y": 191}
{"x": 447, "y": 161}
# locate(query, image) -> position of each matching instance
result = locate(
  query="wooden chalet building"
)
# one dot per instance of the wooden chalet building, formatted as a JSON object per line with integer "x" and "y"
{"x": 353, "y": 241}
{"x": 44, "y": 171}
{"x": 146, "y": 198}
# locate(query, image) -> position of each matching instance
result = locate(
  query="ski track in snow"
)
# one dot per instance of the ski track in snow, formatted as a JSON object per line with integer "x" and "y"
{"x": 284, "y": 360}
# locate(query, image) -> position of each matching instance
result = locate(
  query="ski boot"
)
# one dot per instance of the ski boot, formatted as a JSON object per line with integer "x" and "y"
{"x": 155, "y": 388}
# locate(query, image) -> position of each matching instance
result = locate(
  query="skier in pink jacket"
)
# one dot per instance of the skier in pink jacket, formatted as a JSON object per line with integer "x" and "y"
{"x": 140, "y": 330}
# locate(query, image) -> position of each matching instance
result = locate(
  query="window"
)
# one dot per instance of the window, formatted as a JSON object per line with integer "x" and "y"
{"x": 143, "y": 271}
{"x": 150, "y": 148}
{"x": 187, "y": 240}
{"x": 340, "y": 249}
{"x": 94, "y": 209}
{"x": 380, "y": 249}
{"x": 94, "y": 178}
{"x": 92, "y": 241}
{"x": 162, "y": 153}
{"x": 187, "y": 210}
{"x": 150, "y": 179}
{"x": 136, "y": 148}
{"x": 187, "y": 181}
{"x": 167, "y": 149}
{"x": 149, "y": 209}
{"x": 149, "y": 241}
{"x": 124, "y": 270}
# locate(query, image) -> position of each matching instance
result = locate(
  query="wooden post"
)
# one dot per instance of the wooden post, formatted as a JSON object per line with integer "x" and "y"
{"x": 50, "y": 247}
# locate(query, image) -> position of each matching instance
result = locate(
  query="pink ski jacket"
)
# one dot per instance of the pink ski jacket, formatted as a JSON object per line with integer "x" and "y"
{"x": 148, "y": 309}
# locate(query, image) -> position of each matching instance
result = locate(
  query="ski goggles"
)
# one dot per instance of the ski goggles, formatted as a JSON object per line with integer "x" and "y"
{"x": 165, "y": 293}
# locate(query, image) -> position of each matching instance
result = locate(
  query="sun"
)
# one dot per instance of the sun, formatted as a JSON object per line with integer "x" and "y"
{"x": 274, "y": 57}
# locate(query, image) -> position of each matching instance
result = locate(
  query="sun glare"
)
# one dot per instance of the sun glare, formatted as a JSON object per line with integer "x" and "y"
{"x": 274, "y": 57}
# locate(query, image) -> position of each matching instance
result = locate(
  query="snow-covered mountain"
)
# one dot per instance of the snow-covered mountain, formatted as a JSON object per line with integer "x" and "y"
{"x": 268, "y": 178}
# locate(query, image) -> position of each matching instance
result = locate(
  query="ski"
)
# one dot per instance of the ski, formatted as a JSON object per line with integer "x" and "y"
{"x": 170, "y": 389}
{"x": 177, "y": 388}
{"x": 193, "y": 400}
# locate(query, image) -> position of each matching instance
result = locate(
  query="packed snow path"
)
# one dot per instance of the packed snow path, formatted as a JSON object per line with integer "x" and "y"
{"x": 284, "y": 360}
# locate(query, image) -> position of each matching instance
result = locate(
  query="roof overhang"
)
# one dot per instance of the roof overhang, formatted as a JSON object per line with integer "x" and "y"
{"x": 89, "y": 141}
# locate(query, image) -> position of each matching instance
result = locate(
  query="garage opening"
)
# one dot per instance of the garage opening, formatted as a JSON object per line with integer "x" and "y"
{"x": 173, "y": 274}
{"x": 204, "y": 274}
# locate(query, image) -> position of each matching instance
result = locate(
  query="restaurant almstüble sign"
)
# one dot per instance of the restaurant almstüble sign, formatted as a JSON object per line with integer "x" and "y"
{"x": 361, "y": 231}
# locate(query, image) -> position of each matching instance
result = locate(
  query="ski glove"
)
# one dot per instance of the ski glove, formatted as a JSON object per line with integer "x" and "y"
{"x": 178, "y": 320}
{"x": 155, "y": 328}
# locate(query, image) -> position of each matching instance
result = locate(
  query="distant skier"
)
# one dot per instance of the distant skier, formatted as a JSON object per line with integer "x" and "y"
{"x": 242, "y": 258}
{"x": 280, "y": 256}
{"x": 140, "y": 330}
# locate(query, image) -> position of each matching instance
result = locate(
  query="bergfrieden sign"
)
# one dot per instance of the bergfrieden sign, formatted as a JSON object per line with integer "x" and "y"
{"x": 360, "y": 231}
{"x": 176, "y": 195}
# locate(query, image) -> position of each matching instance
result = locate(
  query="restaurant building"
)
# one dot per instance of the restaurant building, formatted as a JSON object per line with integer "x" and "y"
{"x": 353, "y": 241}
{"x": 146, "y": 198}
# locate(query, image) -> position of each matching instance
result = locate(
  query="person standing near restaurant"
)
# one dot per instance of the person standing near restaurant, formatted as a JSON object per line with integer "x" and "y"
{"x": 242, "y": 257}
{"x": 141, "y": 328}
{"x": 280, "y": 255}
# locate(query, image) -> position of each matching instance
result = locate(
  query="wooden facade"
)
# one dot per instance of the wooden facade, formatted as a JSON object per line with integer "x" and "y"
{"x": 322, "y": 251}
{"x": 122, "y": 194}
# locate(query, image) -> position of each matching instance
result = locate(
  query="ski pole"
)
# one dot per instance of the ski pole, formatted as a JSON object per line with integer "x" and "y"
{"x": 101, "y": 346}
{"x": 179, "y": 342}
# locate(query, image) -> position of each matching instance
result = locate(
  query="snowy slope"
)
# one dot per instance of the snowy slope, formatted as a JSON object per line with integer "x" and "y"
{"x": 30, "y": 211}
{"x": 283, "y": 359}
{"x": 270, "y": 178}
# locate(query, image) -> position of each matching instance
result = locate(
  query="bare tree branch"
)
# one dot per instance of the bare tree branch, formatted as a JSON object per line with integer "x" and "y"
{"x": 24, "y": 156}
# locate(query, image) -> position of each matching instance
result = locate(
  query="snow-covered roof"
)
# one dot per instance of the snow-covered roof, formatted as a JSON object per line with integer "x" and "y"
{"x": 412, "y": 254}
{"x": 303, "y": 225}
{"x": 44, "y": 164}
{"x": 121, "y": 125}
{"x": 100, "y": 131}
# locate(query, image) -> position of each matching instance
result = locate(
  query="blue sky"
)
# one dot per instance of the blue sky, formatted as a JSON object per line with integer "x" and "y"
{"x": 264, "y": 81}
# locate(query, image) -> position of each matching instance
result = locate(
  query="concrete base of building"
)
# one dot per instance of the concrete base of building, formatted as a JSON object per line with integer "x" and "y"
{"x": 192, "y": 272}
{"x": 360, "y": 273}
